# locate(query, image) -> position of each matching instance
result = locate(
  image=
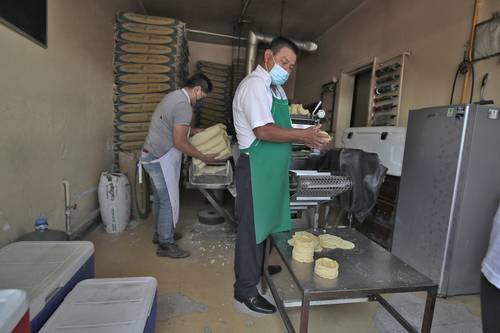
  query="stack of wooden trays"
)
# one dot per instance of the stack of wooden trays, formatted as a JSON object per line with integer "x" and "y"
{"x": 216, "y": 106}
{"x": 150, "y": 59}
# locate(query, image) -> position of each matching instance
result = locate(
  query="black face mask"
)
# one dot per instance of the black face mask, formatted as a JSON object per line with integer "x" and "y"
{"x": 199, "y": 103}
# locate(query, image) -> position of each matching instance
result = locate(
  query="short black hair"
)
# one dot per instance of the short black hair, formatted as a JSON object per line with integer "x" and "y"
{"x": 199, "y": 80}
{"x": 280, "y": 42}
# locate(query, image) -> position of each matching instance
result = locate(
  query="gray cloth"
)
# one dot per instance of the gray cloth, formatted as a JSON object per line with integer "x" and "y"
{"x": 174, "y": 109}
{"x": 367, "y": 175}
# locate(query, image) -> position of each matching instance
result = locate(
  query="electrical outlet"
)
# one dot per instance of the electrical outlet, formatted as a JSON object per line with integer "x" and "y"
{"x": 64, "y": 152}
{"x": 109, "y": 145}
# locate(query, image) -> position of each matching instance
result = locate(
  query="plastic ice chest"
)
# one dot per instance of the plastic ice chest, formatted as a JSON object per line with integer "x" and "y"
{"x": 14, "y": 316}
{"x": 46, "y": 271}
{"x": 121, "y": 305}
{"x": 387, "y": 141}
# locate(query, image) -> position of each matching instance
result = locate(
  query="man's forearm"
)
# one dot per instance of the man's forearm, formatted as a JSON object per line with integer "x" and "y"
{"x": 271, "y": 132}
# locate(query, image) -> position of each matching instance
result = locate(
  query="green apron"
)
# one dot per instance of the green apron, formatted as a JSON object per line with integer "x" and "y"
{"x": 269, "y": 165}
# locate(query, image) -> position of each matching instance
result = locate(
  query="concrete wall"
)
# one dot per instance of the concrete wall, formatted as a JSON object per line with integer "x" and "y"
{"x": 56, "y": 114}
{"x": 435, "y": 32}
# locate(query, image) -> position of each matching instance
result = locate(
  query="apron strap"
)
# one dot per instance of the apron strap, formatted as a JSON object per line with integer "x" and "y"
{"x": 247, "y": 150}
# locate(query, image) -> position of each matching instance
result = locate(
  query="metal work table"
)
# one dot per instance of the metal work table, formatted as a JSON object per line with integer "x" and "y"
{"x": 366, "y": 271}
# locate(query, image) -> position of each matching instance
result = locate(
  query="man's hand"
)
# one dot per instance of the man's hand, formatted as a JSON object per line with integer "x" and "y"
{"x": 208, "y": 158}
{"x": 313, "y": 137}
{"x": 195, "y": 130}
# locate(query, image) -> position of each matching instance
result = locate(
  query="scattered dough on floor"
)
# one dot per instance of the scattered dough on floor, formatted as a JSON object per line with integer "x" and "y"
{"x": 326, "y": 268}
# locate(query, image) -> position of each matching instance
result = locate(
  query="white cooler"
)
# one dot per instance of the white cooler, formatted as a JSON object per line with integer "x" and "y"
{"x": 121, "y": 305}
{"x": 387, "y": 141}
{"x": 46, "y": 271}
{"x": 14, "y": 316}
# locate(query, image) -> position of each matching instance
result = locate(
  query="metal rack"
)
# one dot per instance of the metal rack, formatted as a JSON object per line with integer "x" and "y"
{"x": 206, "y": 184}
{"x": 386, "y": 87}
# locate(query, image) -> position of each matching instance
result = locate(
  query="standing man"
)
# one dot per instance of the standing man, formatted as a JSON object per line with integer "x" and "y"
{"x": 490, "y": 281}
{"x": 161, "y": 157}
{"x": 265, "y": 134}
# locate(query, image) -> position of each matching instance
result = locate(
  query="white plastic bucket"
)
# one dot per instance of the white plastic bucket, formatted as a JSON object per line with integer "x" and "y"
{"x": 114, "y": 201}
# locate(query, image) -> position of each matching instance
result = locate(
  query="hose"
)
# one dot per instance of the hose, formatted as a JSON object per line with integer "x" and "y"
{"x": 463, "y": 68}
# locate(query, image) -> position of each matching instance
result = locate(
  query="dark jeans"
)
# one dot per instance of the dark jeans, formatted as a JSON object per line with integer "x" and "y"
{"x": 248, "y": 258}
{"x": 490, "y": 306}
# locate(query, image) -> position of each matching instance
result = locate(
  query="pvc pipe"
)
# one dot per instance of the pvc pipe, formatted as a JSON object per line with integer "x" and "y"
{"x": 255, "y": 38}
{"x": 67, "y": 206}
{"x": 208, "y": 33}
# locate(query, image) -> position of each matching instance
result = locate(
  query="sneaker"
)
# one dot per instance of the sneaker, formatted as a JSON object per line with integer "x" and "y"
{"x": 171, "y": 251}
{"x": 177, "y": 236}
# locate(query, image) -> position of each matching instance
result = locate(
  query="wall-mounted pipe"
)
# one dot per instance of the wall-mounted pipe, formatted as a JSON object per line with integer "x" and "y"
{"x": 67, "y": 206}
{"x": 244, "y": 10}
{"x": 255, "y": 38}
{"x": 215, "y": 34}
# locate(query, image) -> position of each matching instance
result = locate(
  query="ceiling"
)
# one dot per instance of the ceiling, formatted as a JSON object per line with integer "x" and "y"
{"x": 302, "y": 20}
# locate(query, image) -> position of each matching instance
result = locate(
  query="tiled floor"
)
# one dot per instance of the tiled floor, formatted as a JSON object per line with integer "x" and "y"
{"x": 206, "y": 278}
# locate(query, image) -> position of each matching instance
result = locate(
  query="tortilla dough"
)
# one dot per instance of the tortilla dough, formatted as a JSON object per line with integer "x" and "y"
{"x": 303, "y": 250}
{"x": 346, "y": 245}
{"x": 326, "y": 138}
{"x": 314, "y": 238}
{"x": 334, "y": 242}
{"x": 326, "y": 268}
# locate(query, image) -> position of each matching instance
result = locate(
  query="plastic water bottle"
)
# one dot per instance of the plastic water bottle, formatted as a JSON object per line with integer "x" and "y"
{"x": 43, "y": 233}
{"x": 41, "y": 223}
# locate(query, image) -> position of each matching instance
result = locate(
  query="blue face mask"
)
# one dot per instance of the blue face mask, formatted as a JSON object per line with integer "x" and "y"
{"x": 278, "y": 74}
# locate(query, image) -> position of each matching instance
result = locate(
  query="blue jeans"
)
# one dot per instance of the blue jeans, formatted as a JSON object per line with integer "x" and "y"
{"x": 162, "y": 210}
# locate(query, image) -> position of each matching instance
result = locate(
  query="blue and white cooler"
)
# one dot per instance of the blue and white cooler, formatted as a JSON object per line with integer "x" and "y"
{"x": 46, "y": 271}
{"x": 121, "y": 305}
{"x": 14, "y": 315}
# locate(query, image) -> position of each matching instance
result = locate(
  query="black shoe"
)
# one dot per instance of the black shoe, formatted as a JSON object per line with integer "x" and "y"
{"x": 177, "y": 236}
{"x": 273, "y": 269}
{"x": 257, "y": 303}
{"x": 171, "y": 251}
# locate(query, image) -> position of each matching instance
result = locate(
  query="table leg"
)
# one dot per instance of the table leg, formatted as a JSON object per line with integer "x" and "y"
{"x": 221, "y": 210}
{"x": 304, "y": 315}
{"x": 429, "y": 310}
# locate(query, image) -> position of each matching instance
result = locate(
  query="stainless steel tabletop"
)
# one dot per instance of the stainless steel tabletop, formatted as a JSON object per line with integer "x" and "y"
{"x": 366, "y": 269}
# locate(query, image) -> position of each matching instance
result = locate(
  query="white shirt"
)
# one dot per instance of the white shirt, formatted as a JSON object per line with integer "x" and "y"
{"x": 491, "y": 263}
{"x": 252, "y": 105}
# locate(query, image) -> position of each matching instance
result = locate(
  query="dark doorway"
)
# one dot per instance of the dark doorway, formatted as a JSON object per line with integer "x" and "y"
{"x": 360, "y": 99}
